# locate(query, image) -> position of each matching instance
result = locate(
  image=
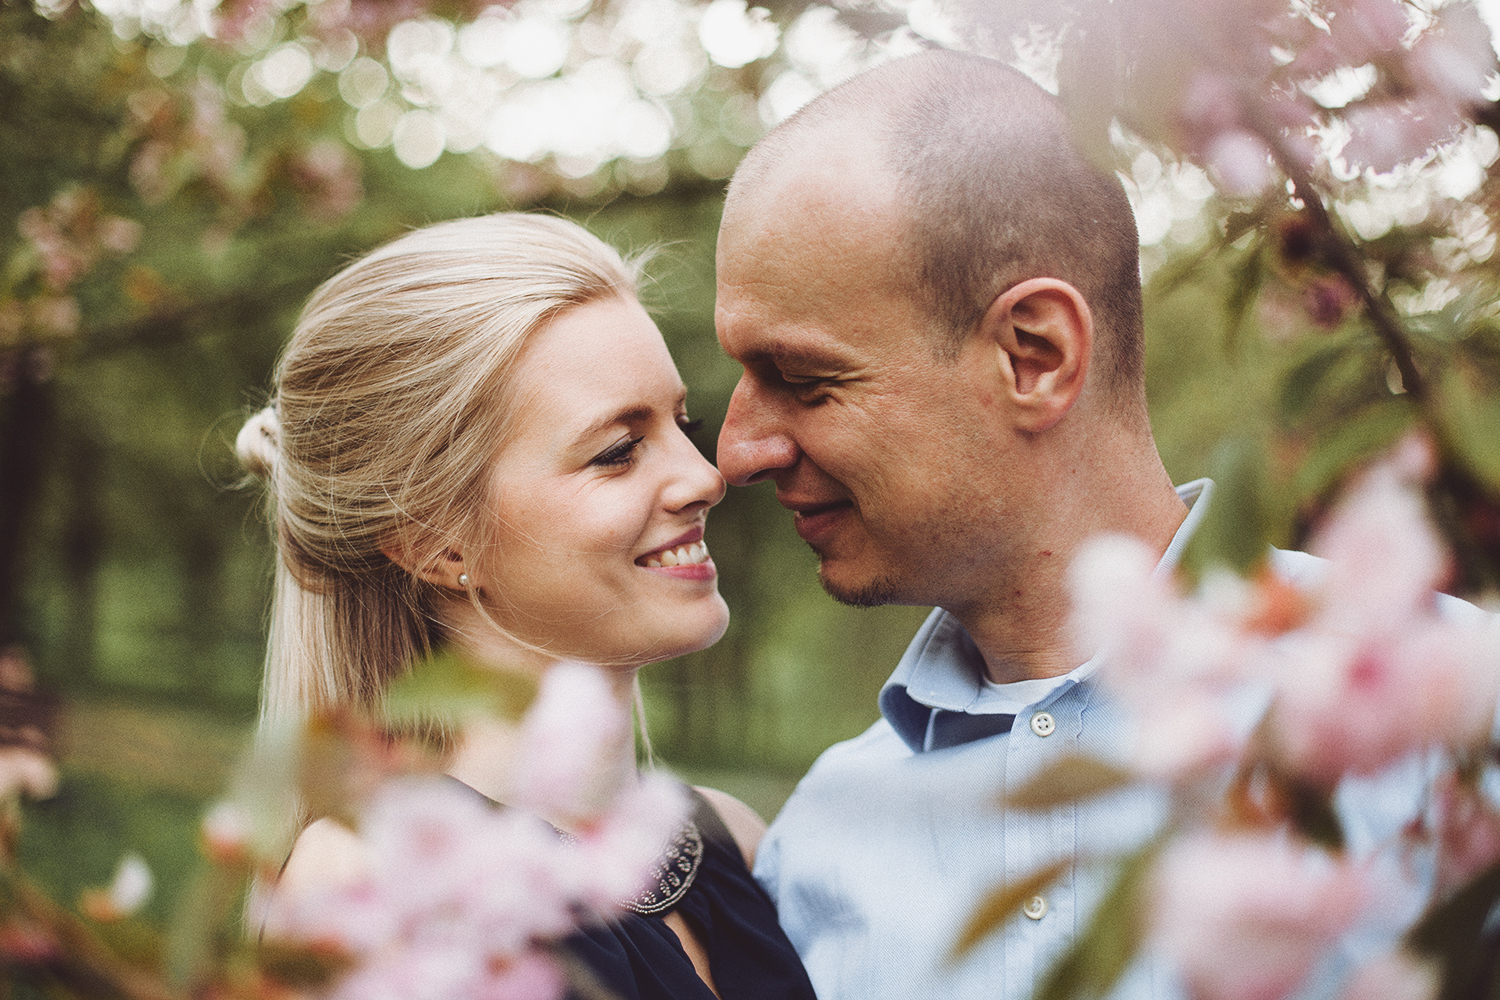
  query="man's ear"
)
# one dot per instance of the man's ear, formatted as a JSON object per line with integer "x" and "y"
{"x": 1043, "y": 332}
{"x": 442, "y": 568}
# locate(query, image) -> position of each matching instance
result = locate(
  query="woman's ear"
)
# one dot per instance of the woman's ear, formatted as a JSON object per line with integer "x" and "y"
{"x": 1043, "y": 333}
{"x": 444, "y": 568}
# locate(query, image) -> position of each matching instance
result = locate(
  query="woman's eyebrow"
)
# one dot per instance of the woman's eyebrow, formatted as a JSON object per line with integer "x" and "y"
{"x": 631, "y": 414}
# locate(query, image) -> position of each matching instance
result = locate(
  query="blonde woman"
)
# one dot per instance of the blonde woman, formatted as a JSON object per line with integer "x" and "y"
{"x": 478, "y": 439}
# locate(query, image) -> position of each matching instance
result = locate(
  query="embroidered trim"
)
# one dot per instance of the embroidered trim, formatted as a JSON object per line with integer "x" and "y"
{"x": 671, "y": 875}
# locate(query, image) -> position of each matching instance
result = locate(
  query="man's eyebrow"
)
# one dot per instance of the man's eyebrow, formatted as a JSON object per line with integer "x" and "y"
{"x": 802, "y": 357}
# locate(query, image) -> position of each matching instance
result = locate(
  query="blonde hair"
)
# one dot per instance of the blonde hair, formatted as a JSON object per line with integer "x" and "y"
{"x": 391, "y": 401}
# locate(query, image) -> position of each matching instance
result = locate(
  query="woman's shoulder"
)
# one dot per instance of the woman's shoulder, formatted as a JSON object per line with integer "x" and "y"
{"x": 326, "y": 854}
{"x": 743, "y": 823}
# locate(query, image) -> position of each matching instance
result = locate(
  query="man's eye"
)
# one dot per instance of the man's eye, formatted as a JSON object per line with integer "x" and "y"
{"x": 620, "y": 454}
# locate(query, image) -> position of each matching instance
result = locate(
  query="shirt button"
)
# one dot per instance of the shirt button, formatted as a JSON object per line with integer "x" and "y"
{"x": 1035, "y": 908}
{"x": 1043, "y": 725}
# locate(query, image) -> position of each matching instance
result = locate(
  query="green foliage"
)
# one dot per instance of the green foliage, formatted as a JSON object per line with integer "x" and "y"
{"x": 1448, "y": 932}
{"x": 1109, "y": 943}
{"x": 1069, "y": 779}
{"x": 447, "y": 690}
{"x": 1000, "y": 905}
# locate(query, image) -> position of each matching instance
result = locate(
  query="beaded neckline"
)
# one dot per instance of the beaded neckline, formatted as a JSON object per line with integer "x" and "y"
{"x": 671, "y": 875}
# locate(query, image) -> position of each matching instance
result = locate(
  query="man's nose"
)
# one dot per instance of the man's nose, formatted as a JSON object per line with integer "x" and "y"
{"x": 754, "y": 443}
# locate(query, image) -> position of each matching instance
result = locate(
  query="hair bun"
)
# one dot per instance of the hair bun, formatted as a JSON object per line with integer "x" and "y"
{"x": 259, "y": 443}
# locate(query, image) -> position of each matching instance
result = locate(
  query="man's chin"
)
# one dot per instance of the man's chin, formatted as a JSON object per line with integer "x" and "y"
{"x": 861, "y": 594}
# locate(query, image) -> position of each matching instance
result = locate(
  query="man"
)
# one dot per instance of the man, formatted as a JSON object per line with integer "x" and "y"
{"x": 936, "y": 301}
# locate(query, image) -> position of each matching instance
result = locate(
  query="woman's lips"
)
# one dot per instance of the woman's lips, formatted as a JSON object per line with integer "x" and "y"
{"x": 685, "y": 560}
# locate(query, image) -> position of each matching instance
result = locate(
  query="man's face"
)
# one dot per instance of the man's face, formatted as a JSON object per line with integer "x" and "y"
{"x": 876, "y": 440}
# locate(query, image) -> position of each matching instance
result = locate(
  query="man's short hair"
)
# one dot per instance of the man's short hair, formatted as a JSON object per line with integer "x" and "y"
{"x": 997, "y": 193}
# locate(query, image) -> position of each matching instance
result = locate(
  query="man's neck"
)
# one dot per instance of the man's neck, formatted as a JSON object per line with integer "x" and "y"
{"x": 1022, "y": 627}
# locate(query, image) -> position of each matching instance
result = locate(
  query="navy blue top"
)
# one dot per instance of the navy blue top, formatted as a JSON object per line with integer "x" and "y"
{"x": 639, "y": 957}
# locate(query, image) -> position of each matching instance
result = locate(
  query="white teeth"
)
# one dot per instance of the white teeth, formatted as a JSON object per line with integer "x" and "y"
{"x": 683, "y": 555}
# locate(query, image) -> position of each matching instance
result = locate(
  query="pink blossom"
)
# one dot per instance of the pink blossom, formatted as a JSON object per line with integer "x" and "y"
{"x": 1376, "y": 672}
{"x": 1386, "y": 134}
{"x": 1172, "y": 661}
{"x": 1246, "y": 917}
{"x": 619, "y": 849}
{"x": 1241, "y": 161}
{"x": 1468, "y": 834}
{"x": 25, "y": 771}
{"x": 452, "y": 897}
{"x": 1363, "y": 30}
{"x": 1357, "y": 704}
{"x": 328, "y": 174}
{"x": 574, "y": 738}
{"x": 1455, "y": 59}
{"x": 1395, "y": 976}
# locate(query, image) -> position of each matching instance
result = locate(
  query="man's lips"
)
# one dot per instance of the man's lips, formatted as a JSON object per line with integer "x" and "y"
{"x": 816, "y": 521}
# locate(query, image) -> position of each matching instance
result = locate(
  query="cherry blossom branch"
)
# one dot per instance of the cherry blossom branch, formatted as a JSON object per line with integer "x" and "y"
{"x": 1341, "y": 253}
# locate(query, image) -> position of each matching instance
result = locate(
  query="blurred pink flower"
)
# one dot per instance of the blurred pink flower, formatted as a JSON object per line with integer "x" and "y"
{"x": 25, "y": 771}
{"x": 72, "y": 233}
{"x": 328, "y": 175}
{"x": 1395, "y": 976}
{"x": 1240, "y": 161}
{"x": 571, "y": 745}
{"x": 1468, "y": 834}
{"x": 1455, "y": 58}
{"x": 1377, "y": 671}
{"x": 1171, "y": 660}
{"x": 1363, "y": 665}
{"x": 454, "y": 897}
{"x": 1245, "y": 918}
{"x": 1386, "y": 134}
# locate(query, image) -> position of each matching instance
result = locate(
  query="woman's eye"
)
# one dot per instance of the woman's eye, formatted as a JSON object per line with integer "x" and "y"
{"x": 689, "y": 427}
{"x": 620, "y": 454}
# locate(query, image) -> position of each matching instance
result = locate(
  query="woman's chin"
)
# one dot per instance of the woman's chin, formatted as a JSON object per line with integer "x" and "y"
{"x": 693, "y": 631}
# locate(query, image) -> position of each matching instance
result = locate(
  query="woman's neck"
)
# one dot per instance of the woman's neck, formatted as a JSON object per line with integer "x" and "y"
{"x": 487, "y": 750}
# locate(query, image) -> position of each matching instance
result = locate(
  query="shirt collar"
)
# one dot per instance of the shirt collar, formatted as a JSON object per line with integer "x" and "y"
{"x": 942, "y": 669}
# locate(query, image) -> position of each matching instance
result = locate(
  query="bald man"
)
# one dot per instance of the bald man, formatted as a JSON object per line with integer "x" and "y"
{"x": 936, "y": 302}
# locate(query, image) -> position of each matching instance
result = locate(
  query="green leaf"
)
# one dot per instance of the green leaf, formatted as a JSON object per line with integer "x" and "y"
{"x": 1300, "y": 387}
{"x": 300, "y": 966}
{"x": 200, "y": 929}
{"x": 1246, "y": 281}
{"x": 1243, "y": 520}
{"x": 1450, "y": 933}
{"x": 1356, "y": 438}
{"x": 449, "y": 689}
{"x": 1069, "y": 779}
{"x": 1107, "y": 946}
{"x": 1000, "y": 905}
{"x": 1312, "y": 813}
{"x": 1472, "y": 419}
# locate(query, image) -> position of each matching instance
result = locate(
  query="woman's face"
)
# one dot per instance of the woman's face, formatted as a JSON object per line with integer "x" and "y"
{"x": 601, "y": 497}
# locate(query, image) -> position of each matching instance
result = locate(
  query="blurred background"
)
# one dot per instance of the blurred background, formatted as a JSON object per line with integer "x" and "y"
{"x": 179, "y": 175}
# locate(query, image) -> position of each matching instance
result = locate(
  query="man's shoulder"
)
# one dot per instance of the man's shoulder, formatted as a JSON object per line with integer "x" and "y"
{"x": 875, "y": 744}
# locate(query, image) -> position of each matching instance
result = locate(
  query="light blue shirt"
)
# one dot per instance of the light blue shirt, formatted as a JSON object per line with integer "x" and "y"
{"x": 891, "y": 840}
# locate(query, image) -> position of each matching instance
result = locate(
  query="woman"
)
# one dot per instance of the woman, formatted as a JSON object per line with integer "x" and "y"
{"x": 478, "y": 439}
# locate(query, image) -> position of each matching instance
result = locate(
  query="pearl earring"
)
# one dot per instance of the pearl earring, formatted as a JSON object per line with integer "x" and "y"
{"x": 463, "y": 580}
